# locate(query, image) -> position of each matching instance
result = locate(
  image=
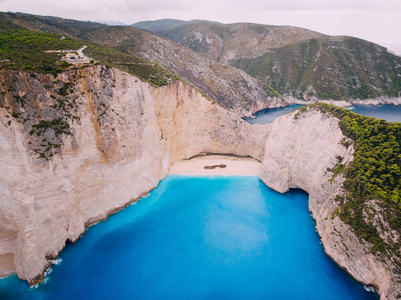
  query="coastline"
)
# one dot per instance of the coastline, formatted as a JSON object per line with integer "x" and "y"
{"x": 235, "y": 166}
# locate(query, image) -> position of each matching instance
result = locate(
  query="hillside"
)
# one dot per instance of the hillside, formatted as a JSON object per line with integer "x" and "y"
{"x": 225, "y": 43}
{"x": 297, "y": 62}
{"x": 38, "y": 52}
{"x": 230, "y": 87}
{"x": 65, "y": 27}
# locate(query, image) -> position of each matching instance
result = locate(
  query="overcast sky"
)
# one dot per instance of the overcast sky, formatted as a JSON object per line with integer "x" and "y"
{"x": 378, "y": 21}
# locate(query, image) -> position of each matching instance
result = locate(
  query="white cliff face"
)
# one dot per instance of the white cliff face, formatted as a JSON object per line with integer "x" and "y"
{"x": 299, "y": 150}
{"x": 125, "y": 134}
{"x": 113, "y": 156}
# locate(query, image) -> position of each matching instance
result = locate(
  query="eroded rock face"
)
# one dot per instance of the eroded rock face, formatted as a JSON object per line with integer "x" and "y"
{"x": 299, "y": 151}
{"x": 123, "y": 136}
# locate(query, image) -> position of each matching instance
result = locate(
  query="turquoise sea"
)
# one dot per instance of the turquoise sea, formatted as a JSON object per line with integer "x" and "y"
{"x": 390, "y": 113}
{"x": 222, "y": 237}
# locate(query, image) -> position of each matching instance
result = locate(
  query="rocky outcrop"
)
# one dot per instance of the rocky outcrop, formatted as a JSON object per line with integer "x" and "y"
{"x": 299, "y": 150}
{"x": 71, "y": 156}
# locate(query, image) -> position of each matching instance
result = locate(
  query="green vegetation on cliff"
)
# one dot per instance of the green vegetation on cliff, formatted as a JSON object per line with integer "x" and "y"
{"x": 25, "y": 50}
{"x": 148, "y": 71}
{"x": 375, "y": 171}
{"x": 372, "y": 180}
{"x": 47, "y": 117}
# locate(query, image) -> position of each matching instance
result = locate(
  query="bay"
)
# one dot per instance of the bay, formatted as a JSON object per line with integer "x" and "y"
{"x": 223, "y": 237}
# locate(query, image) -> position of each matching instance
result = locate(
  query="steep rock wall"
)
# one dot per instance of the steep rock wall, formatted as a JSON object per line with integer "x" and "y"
{"x": 108, "y": 138}
{"x": 299, "y": 151}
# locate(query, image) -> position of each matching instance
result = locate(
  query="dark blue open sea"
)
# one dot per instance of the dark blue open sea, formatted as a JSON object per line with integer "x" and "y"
{"x": 199, "y": 238}
{"x": 390, "y": 113}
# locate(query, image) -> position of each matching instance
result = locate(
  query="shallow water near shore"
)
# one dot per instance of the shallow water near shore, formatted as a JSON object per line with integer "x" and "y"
{"x": 221, "y": 237}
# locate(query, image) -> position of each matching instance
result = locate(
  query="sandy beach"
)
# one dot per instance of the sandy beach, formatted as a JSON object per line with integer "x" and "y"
{"x": 239, "y": 166}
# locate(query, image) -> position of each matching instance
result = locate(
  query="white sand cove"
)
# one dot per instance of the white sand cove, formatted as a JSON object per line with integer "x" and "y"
{"x": 241, "y": 166}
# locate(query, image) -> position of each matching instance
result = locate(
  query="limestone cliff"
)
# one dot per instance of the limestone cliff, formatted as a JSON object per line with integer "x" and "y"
{"x": 299, "y": 151}
{"x": 76, "y": 147}
{"x": 79, "y": 146}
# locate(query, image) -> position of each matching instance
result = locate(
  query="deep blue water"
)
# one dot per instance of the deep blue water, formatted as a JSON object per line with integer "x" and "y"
{"x": 199, "y": 238}
{"x": 268, "y": 115}
{"x": 390, "y": 113}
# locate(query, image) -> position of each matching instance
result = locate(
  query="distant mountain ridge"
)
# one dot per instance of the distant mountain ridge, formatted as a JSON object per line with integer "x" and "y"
{"x": 48, "y": 24}
{"x": 113, "y": 23}
{"x": 297, "y": 62}
{"x": 165, "y": 24}
{"x": 245, "y": 66}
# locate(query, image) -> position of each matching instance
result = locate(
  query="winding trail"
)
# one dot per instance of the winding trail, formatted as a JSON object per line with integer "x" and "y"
{"x": 80, "y": 53}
